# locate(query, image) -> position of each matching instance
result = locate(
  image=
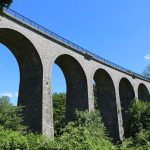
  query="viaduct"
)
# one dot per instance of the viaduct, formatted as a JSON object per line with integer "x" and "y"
{"x": 36, "y": 49}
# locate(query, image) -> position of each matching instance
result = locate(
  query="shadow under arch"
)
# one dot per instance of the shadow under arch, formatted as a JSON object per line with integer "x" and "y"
{"x": 31, "y": 76}
{"x": 76, "y": 84}
{"x": 106, "y": 101}
{"x": 143, "y": 93}
{"x": 127, "y": 94}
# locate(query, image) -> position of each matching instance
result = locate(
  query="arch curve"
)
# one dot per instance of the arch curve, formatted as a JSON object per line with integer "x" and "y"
{"x": 127, "y": 94}
{"x": 31, "y": 76}
{"x": 143, "y": 93}
{"x": 76, "y": 83}
{"x": 106, "y": 101}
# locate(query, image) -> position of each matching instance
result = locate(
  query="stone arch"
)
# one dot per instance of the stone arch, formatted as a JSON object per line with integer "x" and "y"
{"x": 106, "y": 101}
{"x": 143, "y": 93}
{"x": 127, "y": 94}
{"x": 76, "y": 84}
{"x": 31, "y": 76}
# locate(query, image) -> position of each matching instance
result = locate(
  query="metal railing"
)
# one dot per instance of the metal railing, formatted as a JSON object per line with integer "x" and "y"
{"x": 71, "y": 44}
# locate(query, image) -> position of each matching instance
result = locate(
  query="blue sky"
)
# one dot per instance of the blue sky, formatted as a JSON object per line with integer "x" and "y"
{"x": 118, "y": 30}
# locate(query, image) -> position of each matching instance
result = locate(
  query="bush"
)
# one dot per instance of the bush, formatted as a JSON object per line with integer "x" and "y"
{"x": 59, "y": 105}
{"x": 140, "y": 117}
{"x": 11, "y": 116}
{"x": 14, "y": 140}
{"x": 87, "y": 132}
{"x": 139, "y": 127}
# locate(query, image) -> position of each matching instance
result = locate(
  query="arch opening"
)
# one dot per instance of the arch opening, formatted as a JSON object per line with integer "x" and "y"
{"x": 76, "y": 96}
{"x": 127, "y": 94}
{"x": 59, "y": 99}
{"x": 143, "y": 93}
{"x": 31, "y": 76}
{"x": 10, "y": 76}
{"x": 76, "y": 85}
{"x": 106, "y": 102}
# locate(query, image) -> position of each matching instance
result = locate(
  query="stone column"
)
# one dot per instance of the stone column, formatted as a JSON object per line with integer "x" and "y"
{"x": 119, "y": 113}
{"x": 47, "y": 102}
{"x": 90, "y": 93}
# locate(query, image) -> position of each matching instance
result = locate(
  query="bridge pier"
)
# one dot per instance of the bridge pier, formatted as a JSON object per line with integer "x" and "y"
{"x": 119, "y": 113}
{"x": 47, "y": 102}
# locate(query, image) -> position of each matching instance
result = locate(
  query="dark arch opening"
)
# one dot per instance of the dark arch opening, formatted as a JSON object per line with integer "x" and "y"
{"x": 106, "y": 102}
{"x": 31, "y": 75}
{"x": 143, "y": 93}
{"x": 76, "y": 85}
{"x": 126, "y": 96}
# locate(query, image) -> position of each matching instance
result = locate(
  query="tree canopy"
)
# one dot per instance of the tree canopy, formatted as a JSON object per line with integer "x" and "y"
{"x": 11, "y": 116}
{"x": 5, "y": 4}
{"x": 146, "y": 71}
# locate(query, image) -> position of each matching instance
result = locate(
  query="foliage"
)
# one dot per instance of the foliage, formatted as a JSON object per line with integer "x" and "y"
{"x": 5, "y": 4}
{"x": 11, "y": 116}
{"x": 87, "y": 132}
{"x": 139, "y": 127}
{"x": 140, "y": 117}
{"x": 59, "y": 105}
{"x": 15, "y": 140}
{"x": 141, "y": 141}
{"x": 146, "y": 71}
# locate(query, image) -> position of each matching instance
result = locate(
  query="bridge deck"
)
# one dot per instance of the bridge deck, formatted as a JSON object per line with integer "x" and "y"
{"x": 73, "y": 45}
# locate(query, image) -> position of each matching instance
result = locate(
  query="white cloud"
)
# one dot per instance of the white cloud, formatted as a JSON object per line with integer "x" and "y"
{"x": 16, "y": 94}
{"x": 10, "y": 94}
{"x": 147, "y": 57}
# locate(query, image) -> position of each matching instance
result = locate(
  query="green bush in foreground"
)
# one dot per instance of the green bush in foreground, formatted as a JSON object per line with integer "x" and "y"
{"x": 59, "y": 112}
{"x": 14, "y": 140}
{"x": 87, "y": 132}
{"x": 139, "y": 127}
{"x": 140, "y": 117}
{"x": 11, "y": 116}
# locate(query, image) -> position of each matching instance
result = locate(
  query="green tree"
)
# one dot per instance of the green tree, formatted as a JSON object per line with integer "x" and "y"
{"x": 5, "y": 4}
{"x": 140, "y": 117}
{"x": 146, "y": 71}
{"x": 11, "y": 116}
{"x": 59, "y": 105}
{"x": 87, "y": 132}
{"x": 139, "y": 127}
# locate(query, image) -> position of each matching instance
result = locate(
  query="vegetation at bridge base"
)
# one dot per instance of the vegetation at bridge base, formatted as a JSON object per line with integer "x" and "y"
{"x": 11, "y": 116}
{"x": 140, "y": 117}
{"x": 59, "y": 104}
{"x": 138, "y": 127}
{"x": 87, "y": 132}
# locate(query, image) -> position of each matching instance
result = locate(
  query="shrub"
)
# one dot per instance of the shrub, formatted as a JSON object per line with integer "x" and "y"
{"x": 140, "y": 117}
{"x": 139, "y": 127}
{"x": 12, "y": 140}
{"x": 87, "y": 132}
{"x": 59, "y": 104}
{"x": 11, "y": 116}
